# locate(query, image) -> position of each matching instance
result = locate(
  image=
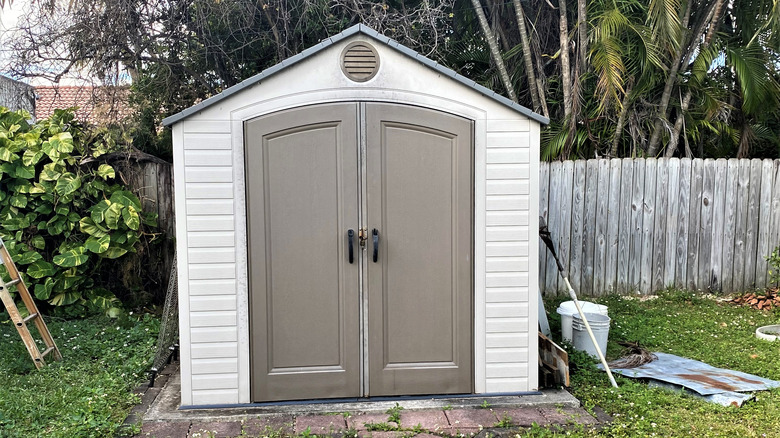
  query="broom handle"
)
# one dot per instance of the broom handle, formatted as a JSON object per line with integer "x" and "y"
{"x": 573, "y": 296}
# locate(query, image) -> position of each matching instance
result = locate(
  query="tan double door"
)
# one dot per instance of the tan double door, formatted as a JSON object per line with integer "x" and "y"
{"x": 360, "y": 219}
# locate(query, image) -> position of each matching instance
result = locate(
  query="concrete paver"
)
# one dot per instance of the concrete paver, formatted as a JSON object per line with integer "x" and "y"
{"x": 432, "y": 420}
{"x": 260, "y": 426}
{"x": 522, "y": 416}
{"x": 320, "y": 424}
{"x": 460, "y": 418}
{"x": 216, "y": 429}
{"x": 567, "y": 416}
{"x": 165, "y": 429}
{"x": 358, "y": 422}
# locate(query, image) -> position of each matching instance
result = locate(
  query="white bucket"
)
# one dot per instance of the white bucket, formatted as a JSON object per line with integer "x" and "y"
{"x": 567, "y": 310}
{"x": 600, "y": 326}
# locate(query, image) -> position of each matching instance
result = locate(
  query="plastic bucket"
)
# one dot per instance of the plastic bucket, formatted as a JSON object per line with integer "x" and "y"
{"x": 567, "y": 310}
{"x": 580, "y": 338}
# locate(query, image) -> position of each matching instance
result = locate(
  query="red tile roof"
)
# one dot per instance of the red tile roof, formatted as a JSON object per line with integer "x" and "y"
{"x": 96, "y": 105}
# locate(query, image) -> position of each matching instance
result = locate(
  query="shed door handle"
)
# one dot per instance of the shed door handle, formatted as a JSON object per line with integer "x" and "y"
{"x": 375, "y": 236}
{"x": 351, "y": 238}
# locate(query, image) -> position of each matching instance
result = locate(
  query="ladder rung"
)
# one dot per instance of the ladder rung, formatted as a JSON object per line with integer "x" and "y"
{"x": 30, "y": 318}
{"x": 47, "y": 351}
{"x": 13, "y": 282}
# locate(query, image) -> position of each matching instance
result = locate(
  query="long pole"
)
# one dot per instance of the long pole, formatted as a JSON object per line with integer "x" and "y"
{"x": 544, "y": 233}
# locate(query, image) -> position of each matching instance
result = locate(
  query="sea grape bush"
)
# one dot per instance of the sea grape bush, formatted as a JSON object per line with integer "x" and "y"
{"x": 62, "y": 212}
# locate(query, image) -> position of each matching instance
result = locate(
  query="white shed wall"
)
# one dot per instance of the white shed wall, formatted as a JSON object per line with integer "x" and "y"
{"x": 211, "y": 220}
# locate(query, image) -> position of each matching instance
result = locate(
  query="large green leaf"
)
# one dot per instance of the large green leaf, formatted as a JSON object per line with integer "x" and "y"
{"x": 89, "y": 226}
{"x": 38, "y": 242}
{"x": 50, "y": 172}
{"x": 98, "y": 245}
{"x": 43, "y": 291}
{"x": 130, "y": 215}
{"x": 40, "y": 269}
{"x": 113, "y": 215}
{"x": 24, "y": 171}
{"x": 125, "y": 198}
{"x": 31, "y": 157}
{"x": 72, "y": 257}
{"x": 19, "y": 201}
{"x": 65, "y": 298}
{"x": 98, "y": 211}
{"x": 67, "y": 184}
{"x": 6, "y": 155}
{"x": 114, "y": 252}
{"x": 105, "y": 171}
{"x": 27, "y": 257}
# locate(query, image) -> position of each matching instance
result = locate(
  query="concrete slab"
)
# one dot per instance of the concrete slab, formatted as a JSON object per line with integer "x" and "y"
{"x": 219, "y": 429}
{"x": 265, "y": 425}
{"x": 167, "y": 429}
{"x": 431, "y": 420}
{"x": 525, "y": 417}
{"x": 359, "y": 421}
{"x": 319, "y": 424}
{"x": 471, "y": 418}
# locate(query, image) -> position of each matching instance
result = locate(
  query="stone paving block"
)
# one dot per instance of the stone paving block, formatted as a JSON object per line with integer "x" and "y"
{"x": 463, "y": 431}
{"x": 426, "y": 435}
{"x": 432, "y": 420}
{"x": 218, "y": 429}
{"x": 260, "y": 426}
{"x": 471, "y": 418}
{"x": 380, "y": 434}
{"x": 522, "y": 416}
{"x": 358, "y": 422}
{"x": 320, "y": 424}
{"x": 567, "y": 416}
{"x": 165, "y": 429}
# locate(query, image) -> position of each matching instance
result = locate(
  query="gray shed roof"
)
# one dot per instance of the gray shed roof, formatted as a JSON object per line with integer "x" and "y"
{"x": 356, "y": 29}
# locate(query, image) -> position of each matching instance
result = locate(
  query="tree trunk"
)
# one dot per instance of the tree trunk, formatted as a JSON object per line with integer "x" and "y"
{"x": 582, "y": 30}
{"x": 621, "y": 123}
{"x": 494, "y": 52}
{"x": 563, "y": 28}
{"x": 536, "y": 96}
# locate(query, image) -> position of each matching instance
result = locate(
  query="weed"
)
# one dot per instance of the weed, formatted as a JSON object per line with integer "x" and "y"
{"x": 395, "y": 414}
{"x": 380, "y": 427}
{"x": 505, "y": 422}
{"x": 485, "y": 405}
{"x": 447, "y": 408}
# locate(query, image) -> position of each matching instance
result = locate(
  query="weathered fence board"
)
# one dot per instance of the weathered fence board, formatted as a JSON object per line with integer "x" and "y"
{"x": 641, "y": 225}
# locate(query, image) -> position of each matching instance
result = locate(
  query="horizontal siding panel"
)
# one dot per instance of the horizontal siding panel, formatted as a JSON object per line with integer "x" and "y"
{"x": 211, "y": 255}
{"x": 506, "y": 264}
{"x": 506, "y": 355}
{"x": 204, "y": 335}
{"x": 507, "y": 139}
{"x": 215, "y": 381}
{"x": 211, "y": 223}
{"x": 209, "y": 190}
{"x": 507, "y": 340}
{"x": 206, "y": 126}
{"x": 207, "y": 141}
{"x": 223, "y": 286}
{"x": 222, "y": 318}
{"x": 506, "y": 294}
{"x": 507, "y": 202}
{"x": 505, "y": 125}
{"x": 508, "y": 187}
{"x": 215, "y": 350}
{"x": 208, "y": 174}
{"x": 507, "y": 310}
{"x": 507, "y": 385}
{"x": 211, "y": 239}
{"x": 507, "y": 370}
{"x": 506, "y": 325}
{"x": 200, "y": 207}
{"x": 215, "y": 397}
{"x": 508, "y": 171}
{"x": 208, "y": 271}
{"x": 506, "y": 279}
{"x": 506, "y": 249}
{"x": 214, "y": 366}
{"x": 506, "y": 218}
{"x": 506, "y": 233}
{"x": 206, "y": 303}
{"x": 508, "y": 155}
{"x": 208, "y": 158}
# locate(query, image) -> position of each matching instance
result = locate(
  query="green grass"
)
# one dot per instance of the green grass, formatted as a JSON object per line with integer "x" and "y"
{"x": 89, "y": 393}
{"x": 689, "y": 325}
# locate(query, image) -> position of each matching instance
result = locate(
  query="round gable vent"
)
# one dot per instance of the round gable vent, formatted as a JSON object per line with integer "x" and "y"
{"x": 359, "y": 61}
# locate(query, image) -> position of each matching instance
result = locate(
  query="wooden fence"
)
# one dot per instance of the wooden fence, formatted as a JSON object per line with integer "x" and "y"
{"x": 642, "y": 225}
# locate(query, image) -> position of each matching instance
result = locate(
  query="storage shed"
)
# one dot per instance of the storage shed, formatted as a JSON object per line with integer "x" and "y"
{"x": 357, "y": 221}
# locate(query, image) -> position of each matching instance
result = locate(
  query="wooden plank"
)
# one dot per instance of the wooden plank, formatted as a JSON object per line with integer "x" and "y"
{"x": 729, "y": 224}
{"x": 554, "y": 215}
{"x": 774, "y": 231}
{"x": 624, "y": 225}
{"x": 648, "y": 226}
{"x": 683, "y": 222}
{"x": 589, "y": 234}
{"x": 613, "y": 222}
{"x": 563, "y": 234}
{"x": 740, "y": 230}
{"x": 763, "y": 247}
{"x": 544, "y": 192}
{"x": 637, "y": 230}
{"x": 705, "y": 227}
{"x": 694, "y": 220}
{"x": 751, "y": 228}
{"x": 661, "y": 218}
{"x": 673, "y": 208}
{"x": 718, "y": 223}
{"x": 577, "y": 223}
{"x": 602, "y": 212}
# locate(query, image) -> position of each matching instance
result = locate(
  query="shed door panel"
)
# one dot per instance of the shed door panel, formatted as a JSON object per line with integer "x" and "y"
{"x": 301, "y": 173}
{"x": 419, "y": 197}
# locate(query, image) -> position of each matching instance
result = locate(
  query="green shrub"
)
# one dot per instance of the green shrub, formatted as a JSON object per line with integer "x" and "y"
{"x": 63, "y": 214}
